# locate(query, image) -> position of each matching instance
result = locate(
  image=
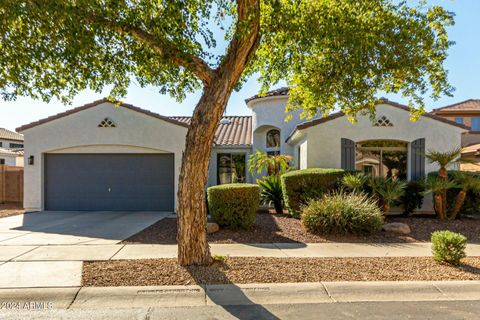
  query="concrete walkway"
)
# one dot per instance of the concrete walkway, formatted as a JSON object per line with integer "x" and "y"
{"x": 61, "y": 265}
{"x": 279, "y": 250}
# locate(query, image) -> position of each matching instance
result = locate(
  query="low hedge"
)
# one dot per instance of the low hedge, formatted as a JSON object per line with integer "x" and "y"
{"x": 472, "y": 199}
{"x": 300, "y": 186}
{"x": 234, "y": 205}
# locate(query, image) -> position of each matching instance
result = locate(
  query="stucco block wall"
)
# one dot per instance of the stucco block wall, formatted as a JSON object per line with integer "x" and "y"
{"x": 135, "y": 132}
{"x": 12, "y": 160}
{"x": 324, "y": 140}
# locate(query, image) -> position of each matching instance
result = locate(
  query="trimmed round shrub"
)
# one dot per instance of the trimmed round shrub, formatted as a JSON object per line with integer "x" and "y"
{"x": 341, "y": 213}
{"x": 448, "y": 246}
{"x": 301, "y": 186}
{"x": 234, "y": 205}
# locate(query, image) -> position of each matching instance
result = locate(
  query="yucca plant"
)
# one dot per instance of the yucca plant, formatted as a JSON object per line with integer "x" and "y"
{"x": 438, "y": 187}
{"x": 271, "y": 192}
{"x": 388, "y": 191}
{"x": 354, "y": 182}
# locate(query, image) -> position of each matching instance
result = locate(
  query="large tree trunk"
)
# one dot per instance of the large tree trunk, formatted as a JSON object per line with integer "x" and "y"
{"x": 193, "y": 248}
{"x": 192, "y": 212}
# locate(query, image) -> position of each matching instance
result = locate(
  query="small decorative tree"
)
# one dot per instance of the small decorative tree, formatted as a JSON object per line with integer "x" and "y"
{"x": 274, "y": 166}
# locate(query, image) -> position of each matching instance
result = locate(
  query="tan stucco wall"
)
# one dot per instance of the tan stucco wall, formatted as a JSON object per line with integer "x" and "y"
{"x": 78, "y": 133}
{"x": 324, "y": 140}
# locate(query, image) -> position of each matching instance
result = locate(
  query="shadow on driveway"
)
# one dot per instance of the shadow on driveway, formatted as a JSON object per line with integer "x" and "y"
{"x": 90, "y": 224}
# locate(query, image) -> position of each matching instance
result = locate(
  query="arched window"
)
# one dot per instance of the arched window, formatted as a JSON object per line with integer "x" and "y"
{"x": 273, "y": 138}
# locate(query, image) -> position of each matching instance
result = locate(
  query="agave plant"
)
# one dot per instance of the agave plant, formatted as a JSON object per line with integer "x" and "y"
{"x": 354, "y": 181}
{"x": 271, "y": 192}
{"x": 388, "y": 191}
{"x": 438, "y": 187}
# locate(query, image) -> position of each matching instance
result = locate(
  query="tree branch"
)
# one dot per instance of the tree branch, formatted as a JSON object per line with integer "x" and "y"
{"x": 162, "y": 46}
{"x": 246, "y": 38}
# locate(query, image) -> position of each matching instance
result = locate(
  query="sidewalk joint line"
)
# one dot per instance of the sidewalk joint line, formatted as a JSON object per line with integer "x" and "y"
{"x": 21, "y": 254}
{"x": 74, "y": 298}
{"x": 440, "y": 290}
{"x": 275, "y": 244}
{"x": 121, "y": 247}
{"x": 328, "y": 292}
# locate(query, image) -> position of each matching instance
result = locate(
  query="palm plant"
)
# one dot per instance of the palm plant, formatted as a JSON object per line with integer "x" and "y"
{"x": 272, "y": 164}
{"x": 271, "y": 192}
{"x": 443, "y": 160}
{"x": 354, "y": 181}
{"x": 388, "y": 191}
{"x": 466, "y": 183}
{"x": 438, "y": 187}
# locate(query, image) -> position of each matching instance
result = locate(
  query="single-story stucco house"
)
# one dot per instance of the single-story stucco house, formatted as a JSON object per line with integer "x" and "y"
{"x": 102, "y": 157}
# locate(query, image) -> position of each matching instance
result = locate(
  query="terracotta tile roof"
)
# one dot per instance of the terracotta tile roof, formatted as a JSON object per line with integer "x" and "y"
{"x": 380, "y": 101}
{"x": 18, "y": 151}
{"x": 237, "y": 132}
{"x": 473, "y": 149}
{"x": 10, "y": 152}
{"x": 467, "y": 106}
{"x": 10, "y": 135}
{"x": 93, "y": 104}
{"x": 277, "y": 92}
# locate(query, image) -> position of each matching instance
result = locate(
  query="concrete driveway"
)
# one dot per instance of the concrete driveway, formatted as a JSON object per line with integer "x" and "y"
{"x": 74, "y": 228}
{"x": 46, "y": 249}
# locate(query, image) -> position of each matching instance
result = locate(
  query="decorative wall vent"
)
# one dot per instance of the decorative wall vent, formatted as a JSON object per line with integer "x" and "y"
{"x": 383, "y": 122}
{"x": 107, "y": 123}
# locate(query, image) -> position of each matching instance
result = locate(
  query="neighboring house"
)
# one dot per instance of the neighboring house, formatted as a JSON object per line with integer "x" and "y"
{"x": 102, "y": 157}
{"x": 10, "y": 139}
{"x": 12, "y": 158}
{"x": 466, "y": 112}
{"x": 11, "y": 148}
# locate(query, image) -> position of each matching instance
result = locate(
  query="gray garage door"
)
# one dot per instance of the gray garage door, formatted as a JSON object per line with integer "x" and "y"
{"x": 116, "y": 182}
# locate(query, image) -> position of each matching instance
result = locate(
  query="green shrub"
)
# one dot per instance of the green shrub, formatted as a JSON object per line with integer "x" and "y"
{"x": 471, "y": 205}
{"x": 234, "y": 205}
{"x": 342, "y": 213}
{"x": 300, "y": 186}
{"x": 448, "y": 246}
{"x": 413, "y": 197}
{"x": 271, "y": 192}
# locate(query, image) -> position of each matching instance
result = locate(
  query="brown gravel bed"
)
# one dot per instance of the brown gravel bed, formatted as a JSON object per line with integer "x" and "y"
{"x": 283, "y": 229}
{"x": 272, "y": 270}
{"x": 7, "y": 210}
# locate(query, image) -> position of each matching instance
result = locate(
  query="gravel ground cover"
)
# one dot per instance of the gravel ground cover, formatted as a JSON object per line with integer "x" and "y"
{"x": 274, "y": 270}
{"x": 7, "y": 210}
{"x": 283, "y": 229}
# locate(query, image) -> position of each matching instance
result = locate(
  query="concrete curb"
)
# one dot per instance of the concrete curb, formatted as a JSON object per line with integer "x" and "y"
{"x": 244, "y": 294}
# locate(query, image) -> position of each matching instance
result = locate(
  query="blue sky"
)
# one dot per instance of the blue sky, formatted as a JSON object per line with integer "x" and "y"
{"x": 463, "y": 64}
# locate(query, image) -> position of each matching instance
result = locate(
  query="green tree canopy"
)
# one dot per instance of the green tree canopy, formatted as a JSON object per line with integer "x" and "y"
{"x": 331, "y": 53}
